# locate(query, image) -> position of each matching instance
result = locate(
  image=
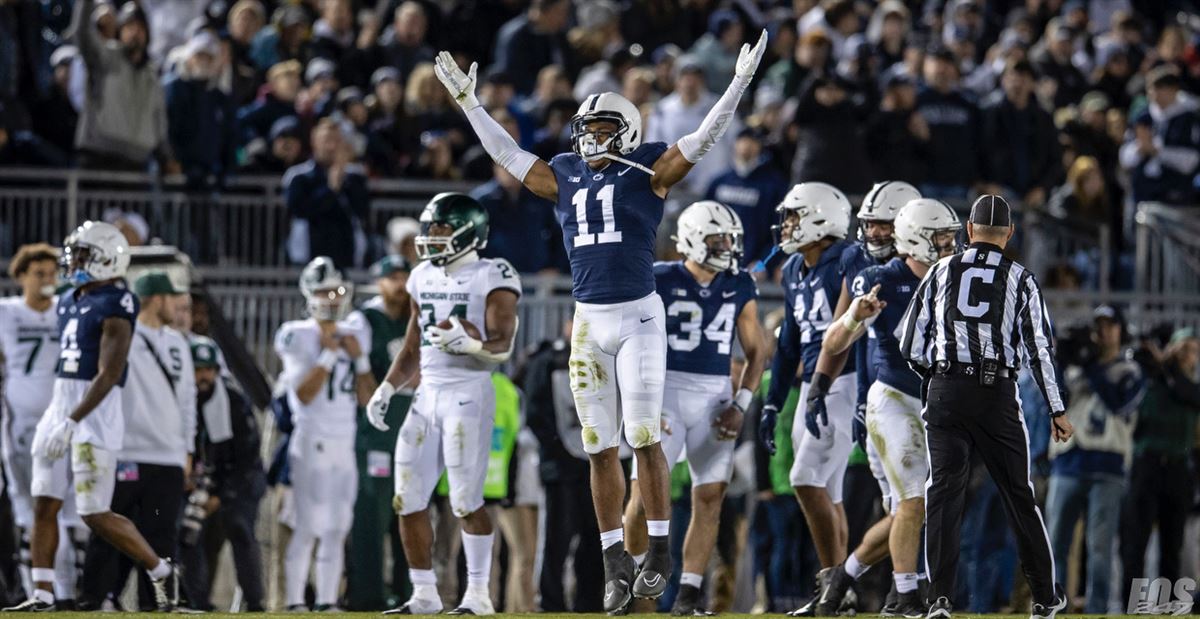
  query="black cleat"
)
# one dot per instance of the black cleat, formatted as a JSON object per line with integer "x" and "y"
{"x": 619, "y": 570}
{"x": 32, "y": 605}
{"x": 166, "y": 590}
{"x": 909, "y": 605}
{"x": 66, "y": 605}
{"x": 810, "y": 608}
{"x": 1050, "y": 609}
{"x": 890, "y": 602}
{"x": 652, "y": 580}
{"x": 837, "y": 584}
{"x": 940, "y": 609}
{"x": 689, "y": 602}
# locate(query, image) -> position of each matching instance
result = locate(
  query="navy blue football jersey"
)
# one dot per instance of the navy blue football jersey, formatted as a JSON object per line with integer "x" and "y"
{"x": 81, "y": 325}
{"x": 609, "y": 219}
{"x": 701, "y": 320}
{"x": 854, "y": 259}
{"x": 811, "y": 295}
{"x": 897, "y": 283}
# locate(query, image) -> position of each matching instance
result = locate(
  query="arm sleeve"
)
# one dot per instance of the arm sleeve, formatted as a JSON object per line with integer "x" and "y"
{"x": 1038, "y": 336}
{"x": 501, "y": 146}
{"x": 917, "y": 320}
{"x": 787, "y": 358}
{"x": 694, "y": 145}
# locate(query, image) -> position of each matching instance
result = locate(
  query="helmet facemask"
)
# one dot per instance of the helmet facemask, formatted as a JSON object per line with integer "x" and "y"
{"x": 593, "y": 143}
{"x": 440, "y": 243}
{"x": 723, "y": 252}
{"x": 331, "y": 303}
{"x": 78, "y": 260}
{"x": 880, "y": 245}
{"x": 938, "y": 243}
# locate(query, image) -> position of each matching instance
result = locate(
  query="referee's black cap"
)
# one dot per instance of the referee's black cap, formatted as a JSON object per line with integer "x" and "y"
{"x": 991, "y": 210}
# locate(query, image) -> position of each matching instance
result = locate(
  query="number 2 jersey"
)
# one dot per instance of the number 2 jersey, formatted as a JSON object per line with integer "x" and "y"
{"x": 440, "y": 294}
{"x": 29, "y": 344}
{"x": 701, "y": 319}
{"x": 609, "y": 219}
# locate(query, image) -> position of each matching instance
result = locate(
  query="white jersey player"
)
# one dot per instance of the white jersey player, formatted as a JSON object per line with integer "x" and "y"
{"x": 327, "y": 376}
{"x": 449, "y": 424}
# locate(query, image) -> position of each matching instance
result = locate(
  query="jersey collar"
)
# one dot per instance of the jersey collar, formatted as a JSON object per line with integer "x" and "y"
{"x": 984, "y": 245}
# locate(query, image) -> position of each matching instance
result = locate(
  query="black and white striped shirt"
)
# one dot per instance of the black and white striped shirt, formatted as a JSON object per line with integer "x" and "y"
{"x": 980, "y": 305}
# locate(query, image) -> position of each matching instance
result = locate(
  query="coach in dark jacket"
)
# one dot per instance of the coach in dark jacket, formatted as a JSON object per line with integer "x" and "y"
{"x": 1020, "y": 151}
{"x": 327, "y": 200}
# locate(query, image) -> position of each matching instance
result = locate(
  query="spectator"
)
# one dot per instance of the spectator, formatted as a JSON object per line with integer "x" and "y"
{"x": 531, "y": 41}
{"x": 953, "y": 121}
{"x": 20, "y": 147}
{"x": 1020, "y": 153}
{"x": 229, "y": 437}
{"x": 555, "y": 135}
{"x": 428, "y": 103}
{"x": 335, "y": 40}
{"x": 606, "y": 75}
{"x": 831, "y": 145}
{"x": 1164, "y": 150}
{"x": 522, "y": 230}
{"x": 277, "y": 101}
{"x": 403, "y": 46}
{"x": 402, "y": 233}
{"x": 679, "y": 113}
{"x": 327, "y": 202}
{"x": 160, "y": 433}
{"x": 753, "y": 187}
{"x": 717, "y": 49}
{"x": 235, "y": 76}
{"x": 813, "y": 58}
{"x": 319, "y": 98}
{"x": 1112, "y": 73}
{"x": 1084, "y": 200}
{"x": 985, "y": 79}
{"x": 1088, "y": 136}
{"x": 552, "y": 85}
{"x": 897, "y": 135}
{"x": 638, "y": 87}
{"x": 597, "y": 34}
{"x": 287, "y": 38}
{"x": 284, "y": 149}
{"x": 54, "y": 117}
{"x": 1160, "y": 485}
{"x": 664, "y": 59}
{"x": 1088, "y": 470}
{"x": 836, "y": 18}
{"x": 172, "y": 23}
{"x": 201, "y": 133}
{"x": 887, "y": 32}
{"x": 245, "y": 20}
{"x": 390, "y": 142}
{"x": 132, "y": 225}
{"x": 124, "y": 118}
{"x": 1055, "y": 62}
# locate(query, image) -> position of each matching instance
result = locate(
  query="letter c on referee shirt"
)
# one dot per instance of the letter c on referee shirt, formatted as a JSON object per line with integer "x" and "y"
{"x": 973, "y": 310}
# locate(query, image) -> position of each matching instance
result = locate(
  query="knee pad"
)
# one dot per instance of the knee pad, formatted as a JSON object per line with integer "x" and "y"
{"x": 465, "y": 501}
{"x": 644, "y": 433}
{"x": 409, "y": 496}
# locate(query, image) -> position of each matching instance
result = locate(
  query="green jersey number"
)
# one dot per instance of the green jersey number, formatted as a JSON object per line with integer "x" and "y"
{"x": 33, "y": 351}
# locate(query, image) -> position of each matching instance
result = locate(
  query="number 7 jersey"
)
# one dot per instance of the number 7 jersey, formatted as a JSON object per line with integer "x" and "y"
{"x": 440, "y": 295}
{"x": 609, "y": 219}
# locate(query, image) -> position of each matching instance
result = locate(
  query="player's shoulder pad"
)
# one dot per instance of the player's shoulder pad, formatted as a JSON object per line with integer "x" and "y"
{"x": 866, "y": 279}
{"x": 117, "y": 301}
{"x": 744, "y": 283}
{"x": 792, "y": 265}
{"x": 291, "y": 336}
{"x": 563, "y": 162}
{"x": 648, "y": 153}
{"x": 501, "y": 273}
{"x": 664, "y": 267}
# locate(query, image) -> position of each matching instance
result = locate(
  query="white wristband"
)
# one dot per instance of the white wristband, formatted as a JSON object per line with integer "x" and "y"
{"x": 362, "y": 365}
{"x": 327, "y": 359}
{"x": 849, "y": 322}
{"x": 743, "y": 398}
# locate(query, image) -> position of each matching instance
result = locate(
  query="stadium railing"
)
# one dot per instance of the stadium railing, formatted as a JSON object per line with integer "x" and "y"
{"x": 1168, "y": 248}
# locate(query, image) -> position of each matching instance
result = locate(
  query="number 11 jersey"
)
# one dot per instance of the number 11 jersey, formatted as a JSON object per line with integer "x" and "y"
{"x": 609, "y": 219}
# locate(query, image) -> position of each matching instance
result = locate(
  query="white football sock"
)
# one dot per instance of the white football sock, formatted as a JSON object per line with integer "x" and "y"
{"x": 658, "y": 528}
{"x": 688, "y": 578}
{"x": 331, "y": 557}
{"x": 611, "y": 538}
{"x": 855, "y": 569}
{"x": 297, "y": 560}
{"x": 478, "y": 549}
{"x": 905, "y": 582}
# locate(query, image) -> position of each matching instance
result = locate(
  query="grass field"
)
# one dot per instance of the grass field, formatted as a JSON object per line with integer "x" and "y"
{"x": 531, "y": 616}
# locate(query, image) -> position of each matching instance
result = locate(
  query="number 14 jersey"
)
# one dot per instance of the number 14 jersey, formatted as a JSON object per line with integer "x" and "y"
{"x": 609, "y": 219}
{"x": 701, "y": 320}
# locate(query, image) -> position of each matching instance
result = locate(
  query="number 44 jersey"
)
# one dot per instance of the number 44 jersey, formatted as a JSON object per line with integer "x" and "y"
{"x": 701, "y": 320}
{"x": 440, "y": 294}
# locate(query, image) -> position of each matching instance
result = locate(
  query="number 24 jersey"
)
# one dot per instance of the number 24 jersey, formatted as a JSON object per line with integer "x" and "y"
{"x": 701, "y": 320}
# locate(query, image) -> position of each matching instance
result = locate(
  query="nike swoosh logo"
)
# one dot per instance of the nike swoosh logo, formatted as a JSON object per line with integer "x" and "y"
{"x": 653, "y": 582}
{"x": 85, "y": 310}
{"x": 726, "y": 295}
{"x": 465, "y": 403}
{"x": 647, "y": 319}
{"x": 622, "y": 172}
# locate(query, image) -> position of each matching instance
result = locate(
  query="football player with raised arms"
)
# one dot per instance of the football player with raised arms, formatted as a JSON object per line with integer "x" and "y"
{"x": 77, "y": 439}
{"x": 608, "y": 196}
{"x": 925, "y": 232}
{"x": 709, "y": 301}
{"x": 327, "y": 376}
{"x": 814, "y": 220}
{"x": 462, "y": 325}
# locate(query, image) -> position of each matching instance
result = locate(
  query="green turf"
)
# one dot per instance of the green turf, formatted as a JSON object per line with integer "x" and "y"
{"x": 537, "y": 616}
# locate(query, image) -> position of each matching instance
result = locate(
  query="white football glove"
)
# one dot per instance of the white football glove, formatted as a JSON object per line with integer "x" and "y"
{"x": 461, "y": 85}
{"x": 749, "y": 57}
{"x": 377, "y": 406}
{"x": 454, "y": 340}
{"x": 55, "y": 442}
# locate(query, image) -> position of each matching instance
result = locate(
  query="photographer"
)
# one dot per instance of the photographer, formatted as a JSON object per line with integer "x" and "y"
{"x": 1105, "y": 386}
{"x": 1160, "y": 484}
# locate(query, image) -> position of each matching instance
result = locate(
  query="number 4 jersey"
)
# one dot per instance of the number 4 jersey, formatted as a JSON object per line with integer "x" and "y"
{"x": 29, "y": 345}
{"x": 609, "y": 219}
{"x": 440, "y": 294}
{"x": 701, "y": 320}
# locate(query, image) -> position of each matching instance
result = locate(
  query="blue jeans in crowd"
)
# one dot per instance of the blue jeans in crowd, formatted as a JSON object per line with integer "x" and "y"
{"x": 1100, "y": 495}
{"x": 779, "y": 535}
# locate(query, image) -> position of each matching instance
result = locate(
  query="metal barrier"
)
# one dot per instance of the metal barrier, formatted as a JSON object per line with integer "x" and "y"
{"x": 1168, "y": 249}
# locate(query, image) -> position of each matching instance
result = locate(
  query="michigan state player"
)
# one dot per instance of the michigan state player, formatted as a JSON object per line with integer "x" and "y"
{"x": 708, "y": 301}
{"x": 77, "y": 439}
{"x": 925, "y": 231}
{"x": 814, "y": 218}
{"x": 449, "y": 426}
{"x": 608, "y": 197}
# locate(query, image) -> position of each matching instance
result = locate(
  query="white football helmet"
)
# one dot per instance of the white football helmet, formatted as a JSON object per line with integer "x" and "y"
{"x": 609, "y": 107}
{"x": 329, "y": 296}
{"x": 700, "y": 221}
{"x": 94, "y": 252}
{"x": 881, "y": 204}
{"x": 823, "y": 210}
{"x": 917, "y": 224}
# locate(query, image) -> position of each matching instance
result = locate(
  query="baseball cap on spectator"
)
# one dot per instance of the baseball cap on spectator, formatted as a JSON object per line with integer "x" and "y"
{"x": 941, "y": 52}
{"x": 1181, "y": 334}
{"x": 204, "y": 353}
{"x": 1063, "y": 33}
{"x": 1094, "y": 101}
{"x": 389, "y": 264}
{"x": 348, "y": 96}
{"x": 1164, "y": 76}
{"x": 898, "y": 78}
{"x": 64, "y": 54}
{"x": 203, "y": 42}
{"x": 154, "y": 283}
{"x": 383, "y": 74}
{"x": 400, "y": 229}
{"x": 1108, "y": 51}
{"x": 754, "y": 133}
{"x": 128, "y": 222}
{"x": 1070, "y": 6}
{"x": 721, "y": 20}
{"x": 1110, "y": 313}
{"x": 289, "y": 15}
{"x": 319, "y": 68}
{"x": 242, "y": 6}
{"x": 286, "y": 127}
{"x": 597, "y": 13}
{"x": 283, "y": 68}
{"x": 967, "y": 5}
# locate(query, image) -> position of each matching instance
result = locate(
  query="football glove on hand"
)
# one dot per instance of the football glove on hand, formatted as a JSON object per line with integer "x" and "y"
{"x": 377, "y": 406}
{"x": 766, "y": 428}
{"x": 816, "y": 415}
{"x": 56, "y": 440}
{"x": 461, "y": 85}
{"x": 749, "y": 57}
{"x": 454, "y": 340}
{"x": 859, "y": 428}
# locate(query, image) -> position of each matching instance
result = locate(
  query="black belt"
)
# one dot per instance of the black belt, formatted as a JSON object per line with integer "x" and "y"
{"x": 954, "y": 368}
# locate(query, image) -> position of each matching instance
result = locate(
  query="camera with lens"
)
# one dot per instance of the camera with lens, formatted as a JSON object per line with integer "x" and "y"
{"x": 196, "y": 511}
{"x": 1076, "y": 346}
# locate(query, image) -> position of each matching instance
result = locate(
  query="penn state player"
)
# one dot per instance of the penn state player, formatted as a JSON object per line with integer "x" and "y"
{"x": 450, "y": 421}
{"x": 76, "y": 442}
{"x": 608, "y": 197}
{"x": 29, "y": 346}
{"x": 814, "y": 218}
{"x": 875, "y": 246}
{"x": 327, "y": 376}
{"x": 707, "y": 296}
{"x": 925, "y": 232}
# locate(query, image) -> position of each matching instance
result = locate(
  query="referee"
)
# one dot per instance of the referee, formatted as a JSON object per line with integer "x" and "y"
{"x": 973, "y": 319}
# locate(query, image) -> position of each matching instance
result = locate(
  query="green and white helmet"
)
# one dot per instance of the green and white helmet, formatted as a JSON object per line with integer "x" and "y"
{"x": 466, "y": 218}
{"x": 327, "y": 294}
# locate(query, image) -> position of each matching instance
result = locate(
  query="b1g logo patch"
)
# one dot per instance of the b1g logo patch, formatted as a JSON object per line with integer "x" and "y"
{"x": 1154, "y": 597}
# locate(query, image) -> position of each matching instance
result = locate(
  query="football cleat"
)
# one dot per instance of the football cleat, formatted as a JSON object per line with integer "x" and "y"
{"x": 476, "y": 601}
{"x": 1049, "y": 610}
{"x": 652, "y": 580}
{"x": 619, "y": 570}
{"x": 909, "y": 605}
{"x": 810, "y": 608}
{"x": 166, "y": 590}
{"x": 837, "y": 584}
{"x": 689, "y": 603}
{"x": 417, "y": 605}
{"x": 32, "y": 605}
{"x": 940, "y": 609}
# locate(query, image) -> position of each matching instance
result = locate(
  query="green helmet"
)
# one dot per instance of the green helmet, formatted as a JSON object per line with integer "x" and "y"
{"x": 466, "y": 217}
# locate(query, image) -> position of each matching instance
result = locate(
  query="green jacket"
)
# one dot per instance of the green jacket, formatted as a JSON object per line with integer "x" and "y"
{"x": 387, "y": 336}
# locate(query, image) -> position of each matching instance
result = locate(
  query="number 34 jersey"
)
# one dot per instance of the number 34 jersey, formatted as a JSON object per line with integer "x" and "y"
{"x": 609, "y": 219}
{"x": 701, "y": 320}
{"x": 333, "y": 412}
{"x": 29, "y": 345}
{"x": 440, "y": 294}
